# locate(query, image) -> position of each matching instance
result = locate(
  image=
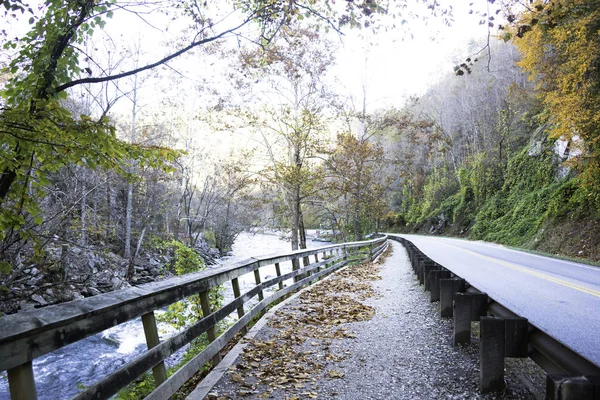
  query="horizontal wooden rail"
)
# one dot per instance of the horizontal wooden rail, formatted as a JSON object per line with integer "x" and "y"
{"x": 31, "y": 334}
{"x": 567, "y": 370}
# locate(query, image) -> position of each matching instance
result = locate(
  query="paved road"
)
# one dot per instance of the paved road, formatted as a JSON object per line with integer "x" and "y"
{"x": 560, "y": 297}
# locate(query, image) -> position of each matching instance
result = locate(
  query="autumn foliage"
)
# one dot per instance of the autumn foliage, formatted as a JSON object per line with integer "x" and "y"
{"x": 561, "y": 50}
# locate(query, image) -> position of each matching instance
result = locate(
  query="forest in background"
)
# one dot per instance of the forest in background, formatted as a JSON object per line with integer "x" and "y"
{"x": 503, "y": 149}
{"x": 510, "y": 155}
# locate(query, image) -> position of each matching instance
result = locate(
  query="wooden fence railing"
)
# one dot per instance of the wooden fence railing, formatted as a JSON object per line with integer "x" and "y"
{"x": 31, "y": 334}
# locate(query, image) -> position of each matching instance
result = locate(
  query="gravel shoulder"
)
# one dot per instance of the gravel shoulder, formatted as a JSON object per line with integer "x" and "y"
{"x": 369, "y": 332}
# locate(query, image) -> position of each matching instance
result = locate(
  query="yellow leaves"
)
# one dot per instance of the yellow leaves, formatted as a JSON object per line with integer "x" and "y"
{"x": 333, "y": 374}
{"x": 562, "y": 54}
{"x": 237, "y": 378}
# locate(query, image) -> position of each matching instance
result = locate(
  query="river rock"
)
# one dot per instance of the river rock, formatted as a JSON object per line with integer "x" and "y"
{"x": 39, "y": 299}
{"x": 77, "y": 296}
{"x": 34, "y": 281}
{"x": 34, "y": 271}
{"x": 116, "y": 283}
{"x": 92, "y": 291}
{"x": 26, "y": 305}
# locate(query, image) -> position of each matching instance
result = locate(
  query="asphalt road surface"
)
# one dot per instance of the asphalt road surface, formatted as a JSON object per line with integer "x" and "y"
{"x": 562, "y": 298}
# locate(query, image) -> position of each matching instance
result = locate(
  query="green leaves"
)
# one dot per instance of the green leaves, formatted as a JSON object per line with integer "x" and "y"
{"x": 40, "y": 143}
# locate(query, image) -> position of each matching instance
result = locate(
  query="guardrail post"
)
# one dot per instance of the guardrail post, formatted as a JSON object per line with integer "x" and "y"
{"x": 278, "y": 272}
{"x": 370, "y": 251}
{"x": 159, "y": 372}
{"x": 448, "y": 289}
{"x": 211, "y": 332}
{"x": 462, "y": 319}
{"x": 467, "y": 308}
{"x": 491, "y": 355}
{"x": 21, "y": 382}
{"x": 419, "y": 261}
{"x": 428, "y": 267}
{"x": 516, "y": 337}
{"x": 435, "y": 277}
{"x": 564, "y": 387}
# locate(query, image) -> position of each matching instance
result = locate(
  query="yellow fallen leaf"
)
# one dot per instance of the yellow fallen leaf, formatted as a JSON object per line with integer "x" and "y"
{"x": 336, "y": 374}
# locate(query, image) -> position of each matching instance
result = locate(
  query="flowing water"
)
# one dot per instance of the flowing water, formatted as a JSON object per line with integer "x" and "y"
{"x": 60, "y": 374}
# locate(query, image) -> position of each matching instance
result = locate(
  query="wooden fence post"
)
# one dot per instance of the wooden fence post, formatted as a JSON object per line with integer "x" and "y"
{"x": 159, "y": 372}
{"x": 257, "y": 280}
{"x": 278, "y": 272}
{"x": 212, "y": 331}
{"x": 235, "y": 284}
{"x": 21, "y": 382}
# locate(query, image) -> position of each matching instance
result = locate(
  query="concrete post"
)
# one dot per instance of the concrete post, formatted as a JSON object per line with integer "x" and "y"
{"x": 491, "y": 355}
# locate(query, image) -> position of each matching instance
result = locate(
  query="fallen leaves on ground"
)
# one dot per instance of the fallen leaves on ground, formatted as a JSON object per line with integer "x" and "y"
{"x": 300, "y": 349}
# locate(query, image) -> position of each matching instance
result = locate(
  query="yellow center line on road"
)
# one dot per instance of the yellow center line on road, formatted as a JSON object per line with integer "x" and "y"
{"x": 529, "y": 271}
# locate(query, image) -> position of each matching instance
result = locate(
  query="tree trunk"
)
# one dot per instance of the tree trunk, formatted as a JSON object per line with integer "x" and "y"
{"x": 108, "y": 209}
{"x": 356, "y": 218}
{"x": 295, "y": 218}
{"x": 301, "y": 230}
{"x": 82, "y": 239}
{"x": 128, "y": 212}
{"x": 129, "y": 209}
{"x": 131, "y": 267}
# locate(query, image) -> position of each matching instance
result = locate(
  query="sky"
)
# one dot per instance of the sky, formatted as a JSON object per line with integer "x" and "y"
{"x": 395, "y": 65}
{"x": 389, "y": 66}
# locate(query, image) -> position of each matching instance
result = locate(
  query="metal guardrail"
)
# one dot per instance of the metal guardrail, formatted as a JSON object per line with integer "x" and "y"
{"x": 31, "y": 334}
{"x": 503, "y": 334}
